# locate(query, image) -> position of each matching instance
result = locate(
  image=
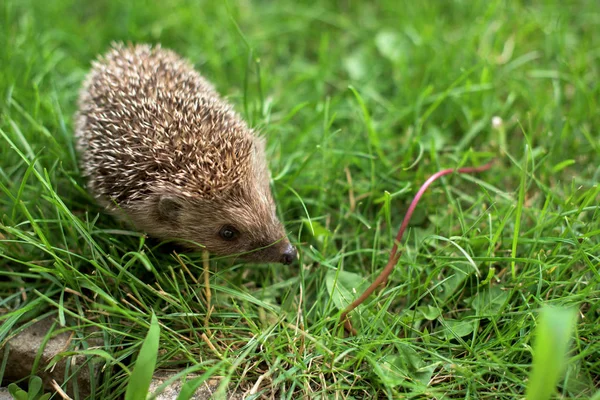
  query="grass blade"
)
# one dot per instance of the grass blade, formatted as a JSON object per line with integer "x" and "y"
{"x": 552, "y": 338}
{"x": 139, "y": 382}
{"x": 372, "y": 133}
{"x": 189, "y": 388}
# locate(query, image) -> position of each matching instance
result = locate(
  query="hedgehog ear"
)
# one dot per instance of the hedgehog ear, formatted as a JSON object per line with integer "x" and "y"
{"x": 169, "y": 207}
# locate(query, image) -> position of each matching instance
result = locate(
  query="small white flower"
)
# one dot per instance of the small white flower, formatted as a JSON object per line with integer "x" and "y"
{"x": 497, "y": 122}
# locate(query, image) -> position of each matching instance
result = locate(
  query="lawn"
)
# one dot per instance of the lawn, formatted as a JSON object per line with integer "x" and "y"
{"x": 360, "y": 102}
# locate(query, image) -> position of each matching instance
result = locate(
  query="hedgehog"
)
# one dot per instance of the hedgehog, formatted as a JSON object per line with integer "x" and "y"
{"x": 162, "y": 149}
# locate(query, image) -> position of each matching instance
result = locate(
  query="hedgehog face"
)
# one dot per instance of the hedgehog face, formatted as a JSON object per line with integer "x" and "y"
{"x": 247, "y": 228}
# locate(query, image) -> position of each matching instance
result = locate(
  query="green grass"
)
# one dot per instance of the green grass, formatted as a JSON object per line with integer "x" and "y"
{"x": 361, "y": 102}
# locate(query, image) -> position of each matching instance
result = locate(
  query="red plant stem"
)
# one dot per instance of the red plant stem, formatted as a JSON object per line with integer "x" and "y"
{"x": 393, "y": 260}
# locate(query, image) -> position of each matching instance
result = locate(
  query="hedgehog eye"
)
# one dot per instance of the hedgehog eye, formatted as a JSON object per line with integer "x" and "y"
{"x": 228, "y": 232}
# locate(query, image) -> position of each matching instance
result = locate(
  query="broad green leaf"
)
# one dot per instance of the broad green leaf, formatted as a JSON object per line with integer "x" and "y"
{"x": 577, "y": 378}
{"x": 429, "y": 312}
{"x": 17, "y": 392}
{"x": 35, "y": 387}
{"x": 455, "y": 279}
{"x": 347, "y": 288}
{"x": 489, "y": 301}
{"x": 552, "y": 336}
{"x": 405, "y": 366}
{"x": 319, "y": 231}
{"x": 139, "y": 381}
{"x": 390, "y": 371}
{"x": 457, "y": 328}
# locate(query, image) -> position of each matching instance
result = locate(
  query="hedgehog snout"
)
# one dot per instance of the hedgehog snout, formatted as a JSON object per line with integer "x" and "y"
{"x": 282, "y": 252}
{"x": 288, "y": 254}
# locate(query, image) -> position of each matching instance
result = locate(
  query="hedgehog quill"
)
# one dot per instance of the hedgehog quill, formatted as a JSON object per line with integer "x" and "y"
{"x": 161, "y": 149}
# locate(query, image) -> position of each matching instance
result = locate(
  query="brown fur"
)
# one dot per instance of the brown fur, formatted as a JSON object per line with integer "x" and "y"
{"x": 161, "y": 148}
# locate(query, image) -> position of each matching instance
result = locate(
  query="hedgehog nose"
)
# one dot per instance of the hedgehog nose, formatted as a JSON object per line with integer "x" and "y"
{"x": 288, "y": 255}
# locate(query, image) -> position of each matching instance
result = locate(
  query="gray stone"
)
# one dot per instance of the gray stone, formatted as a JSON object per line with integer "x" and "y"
{"x": 23, "y": 349}
{"x": 5, "y": 394}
